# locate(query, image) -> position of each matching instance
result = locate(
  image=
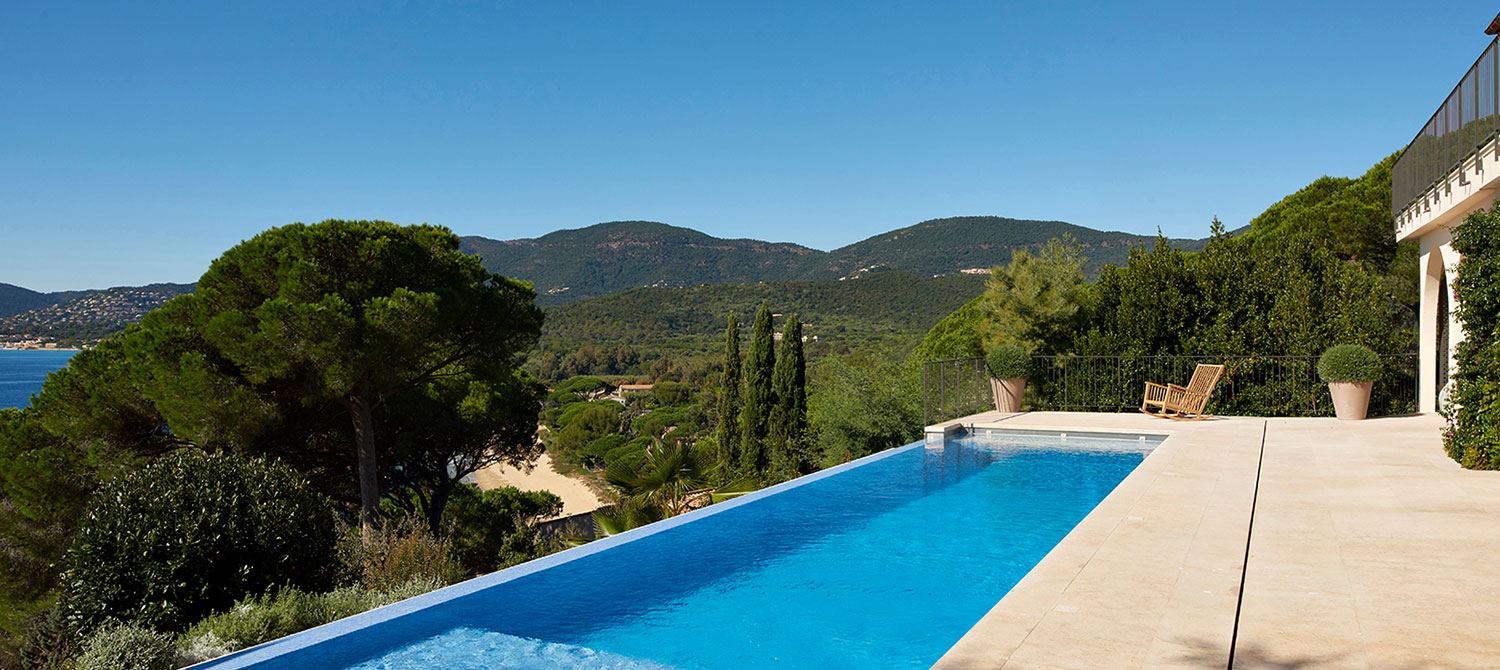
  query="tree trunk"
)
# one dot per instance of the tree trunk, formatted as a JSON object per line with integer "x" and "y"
{"x": 437, "y": 504}
{"x": 358, "y": 404}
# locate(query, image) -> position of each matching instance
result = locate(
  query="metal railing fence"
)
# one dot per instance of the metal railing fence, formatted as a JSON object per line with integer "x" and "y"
{"x": 953, "y": 388}
{"x": 1465, "y": 121}
{"x": 1251, "y": 386}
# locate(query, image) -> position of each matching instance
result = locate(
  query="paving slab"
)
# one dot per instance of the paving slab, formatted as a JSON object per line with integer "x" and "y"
{"x": 1150, "y": 578}
{"x": 1370, "y": 549}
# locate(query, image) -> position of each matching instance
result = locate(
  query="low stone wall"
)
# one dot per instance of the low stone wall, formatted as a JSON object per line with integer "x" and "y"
{"x": 575, "y": 526}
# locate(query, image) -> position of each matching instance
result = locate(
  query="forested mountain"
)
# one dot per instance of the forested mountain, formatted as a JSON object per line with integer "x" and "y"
{"x": 945, "y": 246}
{"x": 571, "y": 265}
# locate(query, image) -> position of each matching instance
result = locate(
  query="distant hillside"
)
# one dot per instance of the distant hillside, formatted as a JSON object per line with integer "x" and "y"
{"x": 93, "y": 314}
{"x": 945, "y": 246}
{"x": 571, "y": 265}
{"x": 895, "y": 307}
{"x": 15, "y": 299}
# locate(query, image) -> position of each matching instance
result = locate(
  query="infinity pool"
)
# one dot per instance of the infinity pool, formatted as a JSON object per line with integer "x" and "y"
{"x": 882, "y": 563}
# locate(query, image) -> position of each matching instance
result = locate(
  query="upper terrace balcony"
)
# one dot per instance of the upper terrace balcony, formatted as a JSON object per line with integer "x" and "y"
{"x": 1442, "y": 174}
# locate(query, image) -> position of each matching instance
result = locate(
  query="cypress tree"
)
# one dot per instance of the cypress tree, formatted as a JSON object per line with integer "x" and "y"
{"x": 789, "y": 416}
{"x": 755, "y": 417}
{"x": 729, "y": 400}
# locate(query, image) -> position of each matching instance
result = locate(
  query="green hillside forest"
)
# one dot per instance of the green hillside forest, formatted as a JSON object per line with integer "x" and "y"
{"x": 572, "y": 265}
{"x": 679, "y": 329}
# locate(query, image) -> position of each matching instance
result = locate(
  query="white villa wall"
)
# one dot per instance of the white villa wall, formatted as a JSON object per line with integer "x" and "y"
{"x": 1430, "y": 220}
{"x": 1435, "y": 262}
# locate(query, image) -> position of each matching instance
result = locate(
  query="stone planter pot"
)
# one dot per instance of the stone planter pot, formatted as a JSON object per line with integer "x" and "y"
{"x": 1008, "y": 394}
{"x": 1351, "y": 400}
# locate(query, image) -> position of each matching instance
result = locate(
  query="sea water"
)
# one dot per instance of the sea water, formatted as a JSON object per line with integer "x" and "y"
{"x": 23, "y": 371}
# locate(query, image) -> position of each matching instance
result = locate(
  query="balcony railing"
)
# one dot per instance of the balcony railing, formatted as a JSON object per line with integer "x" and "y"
{"x": 1251, "y": 386}
{"x": 1463, "y": 124}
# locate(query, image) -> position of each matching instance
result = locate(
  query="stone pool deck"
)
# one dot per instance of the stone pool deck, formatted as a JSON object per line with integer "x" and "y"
{"x": 1367, "y": 548}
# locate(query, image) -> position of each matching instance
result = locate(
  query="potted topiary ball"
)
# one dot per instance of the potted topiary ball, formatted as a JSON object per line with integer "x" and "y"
{"x": 1008, "y": 364}
{"x": 1350, "y": 370}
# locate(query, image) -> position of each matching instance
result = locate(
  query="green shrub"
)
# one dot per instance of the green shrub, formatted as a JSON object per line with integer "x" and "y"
{"x": 563, "y": 398}
{"x": 1008, "y": 361}
{"x": 49, "y": 641}
{"x": 598, "y": 451}
{"x": 1473, "y": 435}
{"x": 682, "y": 433}
{"x": 261, "y": 619}
{"x": 257, "y": 619}
{"x": 127, "y": 646}
{"x": 582, "y": 385}
{"x": 411, "y": 589}
{"x": 632, "y": 453}
{"x": 347, "y": 601}
{"x": 672, "y": 394}
{"x": 1349, "y": 363}
{"x": 490, "y": 529}
{"x": 656, "y": 422}
{"x": 200, "y": 648}
{"x": 868, "y": 402}
{"x": 192, "y": 533}
{"x": 399, "y": 552}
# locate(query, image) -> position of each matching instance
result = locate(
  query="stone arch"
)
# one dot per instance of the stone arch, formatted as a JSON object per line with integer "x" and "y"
{"x": 1435, "y": 323}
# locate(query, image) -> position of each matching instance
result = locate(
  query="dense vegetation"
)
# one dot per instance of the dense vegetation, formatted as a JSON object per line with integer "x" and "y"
{"x": 767, "y": 419}
{"x": 655, "y": 332}
{"x": 191, "y": 533}
{"x": 1238, "y": 297}
{"x": 372, "y": 367}
{"x": 572, "y": 265}
{"x": 1473, "y": 435}
{"x": 1318, "y": 268}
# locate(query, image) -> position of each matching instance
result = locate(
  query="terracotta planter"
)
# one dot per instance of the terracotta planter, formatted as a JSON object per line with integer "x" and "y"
{"x": 1008, "y": 394}
{"x": 1351, "y": 400}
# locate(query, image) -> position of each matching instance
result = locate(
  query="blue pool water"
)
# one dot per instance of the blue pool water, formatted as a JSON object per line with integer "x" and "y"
{"x": 22, "y": 373}
{"x": 883, "y": 565}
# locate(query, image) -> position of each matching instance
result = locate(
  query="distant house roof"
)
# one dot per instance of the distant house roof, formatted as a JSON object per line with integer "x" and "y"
{"x": 1494, "y": 28}
{"x": 626, "y": 388}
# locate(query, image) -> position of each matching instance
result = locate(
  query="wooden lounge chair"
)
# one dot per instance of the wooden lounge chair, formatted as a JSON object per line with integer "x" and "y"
{"x": 1183, "y": 403}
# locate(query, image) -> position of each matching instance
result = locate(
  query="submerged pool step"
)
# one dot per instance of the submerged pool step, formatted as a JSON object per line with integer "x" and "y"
{"x": 483, "y": 649}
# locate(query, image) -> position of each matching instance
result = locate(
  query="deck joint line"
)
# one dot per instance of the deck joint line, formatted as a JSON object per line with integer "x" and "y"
{"x": 1239, "y": 603}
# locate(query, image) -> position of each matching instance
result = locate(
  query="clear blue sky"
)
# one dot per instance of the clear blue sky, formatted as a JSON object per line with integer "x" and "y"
{"x": 140, "y": 140}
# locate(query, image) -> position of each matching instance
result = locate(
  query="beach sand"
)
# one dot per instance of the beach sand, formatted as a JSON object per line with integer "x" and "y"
{"x": 577, "y": 497}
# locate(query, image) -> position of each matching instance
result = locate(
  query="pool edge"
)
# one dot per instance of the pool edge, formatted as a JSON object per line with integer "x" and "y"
{"x": 265, "y": 651}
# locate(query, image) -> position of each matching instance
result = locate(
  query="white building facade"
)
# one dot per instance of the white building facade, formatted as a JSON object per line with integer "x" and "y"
{"x": 1450, "y": 170}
